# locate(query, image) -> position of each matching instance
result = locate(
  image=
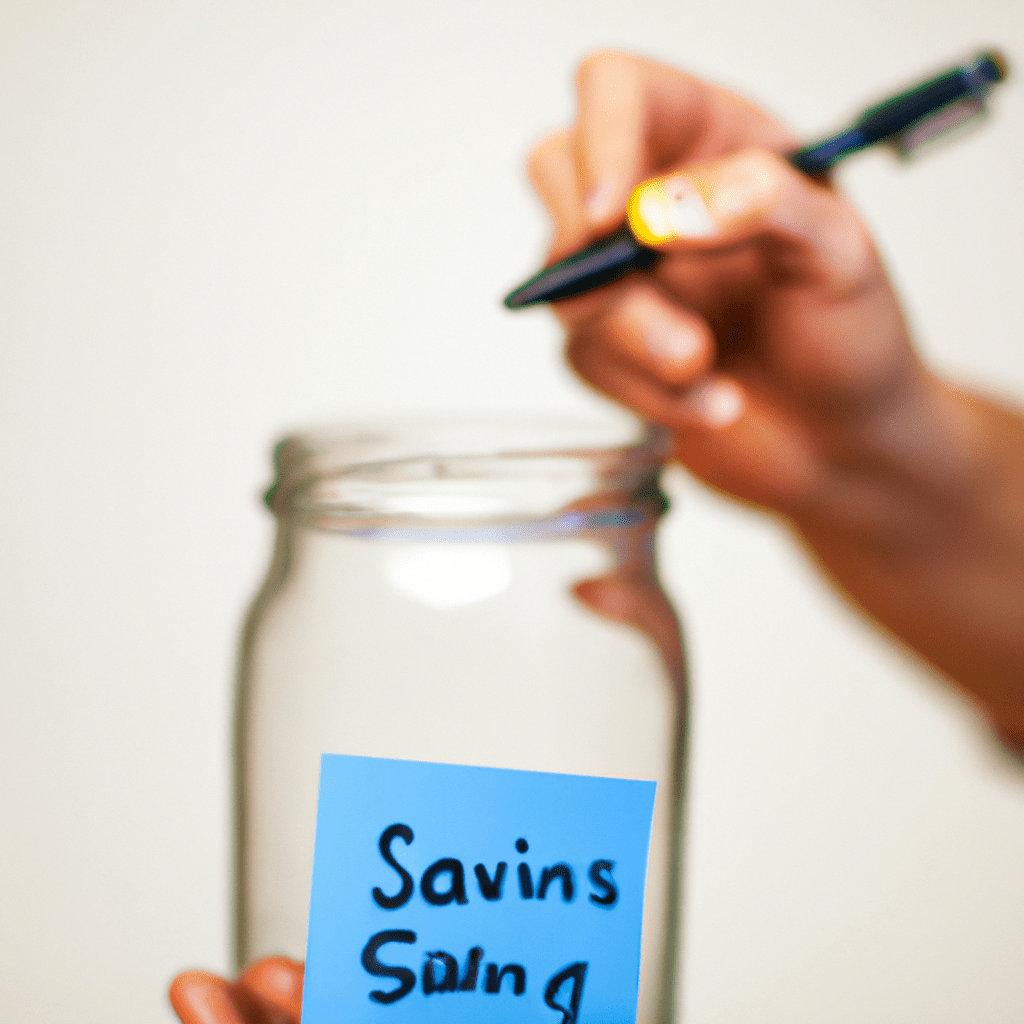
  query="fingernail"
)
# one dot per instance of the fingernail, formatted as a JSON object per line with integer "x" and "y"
{"x": 715, "y": 402}
{"x": 667, "y": 208}
{"x": 599, "y": 202}
{"x": 672, "y": 343}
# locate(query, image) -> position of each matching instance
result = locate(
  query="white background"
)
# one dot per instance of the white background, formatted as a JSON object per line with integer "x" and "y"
{"x": 223, "y": 219}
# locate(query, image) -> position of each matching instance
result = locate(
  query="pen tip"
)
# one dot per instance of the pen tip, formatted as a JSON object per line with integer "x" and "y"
{"x": 519, "y": 298}
{"x": 603, "y": 261}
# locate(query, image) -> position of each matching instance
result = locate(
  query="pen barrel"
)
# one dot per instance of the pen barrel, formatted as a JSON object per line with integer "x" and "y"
{"x": 619, "y": 253}
{"x": 597, "y": 264}
{"x": 820, "y": 157}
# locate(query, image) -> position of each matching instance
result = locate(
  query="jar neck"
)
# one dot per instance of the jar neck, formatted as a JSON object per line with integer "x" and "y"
{"x": 471, "y": 480}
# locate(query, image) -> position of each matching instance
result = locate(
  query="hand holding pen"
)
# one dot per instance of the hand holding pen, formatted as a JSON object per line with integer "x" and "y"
{"x": 754, "y": 318}
{"x": 906, "y": 121}
{"x": 768, "y": 338}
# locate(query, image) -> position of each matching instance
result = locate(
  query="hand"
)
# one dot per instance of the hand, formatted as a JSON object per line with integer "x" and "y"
{"x": 770, "y": 341}
{"x": 769, "y": 333}
{"x": 267, "y": 992}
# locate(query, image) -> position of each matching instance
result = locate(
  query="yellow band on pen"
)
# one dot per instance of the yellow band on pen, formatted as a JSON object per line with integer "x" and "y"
{"x": 647, "y": 213}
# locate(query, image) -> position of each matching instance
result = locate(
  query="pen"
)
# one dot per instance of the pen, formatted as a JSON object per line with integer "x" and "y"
{"x": 905, "y": 121}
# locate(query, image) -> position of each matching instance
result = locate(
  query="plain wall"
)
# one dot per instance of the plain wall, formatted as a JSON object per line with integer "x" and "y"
{"x": 221, "y": 220}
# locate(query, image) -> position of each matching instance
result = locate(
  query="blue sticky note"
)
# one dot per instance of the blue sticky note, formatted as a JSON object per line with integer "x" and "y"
{"x": 446, "y": 894}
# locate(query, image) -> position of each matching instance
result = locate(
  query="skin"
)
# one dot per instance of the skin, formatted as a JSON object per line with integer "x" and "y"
{"x": 775, "y": 350}
{"x": 267, "y": 992}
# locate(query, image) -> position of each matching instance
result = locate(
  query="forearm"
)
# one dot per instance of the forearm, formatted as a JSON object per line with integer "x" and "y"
{"x": 920, "y": 519}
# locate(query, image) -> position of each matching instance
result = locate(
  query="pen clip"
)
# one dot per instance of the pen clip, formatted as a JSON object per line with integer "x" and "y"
{"x": 944, "y": 125}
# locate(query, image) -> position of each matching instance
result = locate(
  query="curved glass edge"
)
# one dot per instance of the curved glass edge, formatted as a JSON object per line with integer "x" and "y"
{"x": 567, "y": 524}
{"x": 479, "y": 478}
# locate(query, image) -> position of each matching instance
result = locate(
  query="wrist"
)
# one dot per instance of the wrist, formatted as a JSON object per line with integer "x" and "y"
{"x": 920, "y": 459}
{"x": 918, "y": 519}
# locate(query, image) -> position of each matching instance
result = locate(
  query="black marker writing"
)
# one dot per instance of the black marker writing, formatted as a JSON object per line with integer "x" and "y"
{"x": 490, "y": 888}
{"x": 449, "y": 982}
{"x": 564, "y": 874}
{"x": 405, "y": 893}
{"x": 468, "y": 983}
{"x": 456, "y": 891}
{"x": 577, "y": 972}
{"x": 609, "y": 890}
{"x": 525, "y": 882}
{"x": 405, "y": 977}
{"x": 492, "y": 984}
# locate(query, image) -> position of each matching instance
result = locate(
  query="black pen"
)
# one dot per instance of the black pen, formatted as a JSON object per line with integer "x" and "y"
{"x": 905, "y": 121}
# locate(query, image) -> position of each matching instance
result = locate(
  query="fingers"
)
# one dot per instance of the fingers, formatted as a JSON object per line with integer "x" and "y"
{"x": 657, "y": 337}
{"x": 659, "y": 360}
{"x": 552, "y": 168}
{"x": 201, "y": 998}
{"x": 730, "y": 436}
{"x": 636, "y": 116}
{"x": 655, "y": 357}
{"x": 805, "y": 233}
{"x": 640, "y": 601}
{"x": 764, "y": 456}
{"x": 276, "y": 982}
{"x": 612, "y": 100}
{"x": 267, "y": 992}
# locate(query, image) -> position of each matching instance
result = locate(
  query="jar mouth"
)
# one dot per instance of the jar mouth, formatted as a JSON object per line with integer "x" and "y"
{"x": 476, "y": 471}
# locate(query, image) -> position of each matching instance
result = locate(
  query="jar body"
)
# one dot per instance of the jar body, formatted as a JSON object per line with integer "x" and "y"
{"x": 456, "y": 644}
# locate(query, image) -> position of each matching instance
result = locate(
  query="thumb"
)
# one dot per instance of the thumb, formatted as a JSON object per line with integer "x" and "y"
{"x": 806, "y": 233}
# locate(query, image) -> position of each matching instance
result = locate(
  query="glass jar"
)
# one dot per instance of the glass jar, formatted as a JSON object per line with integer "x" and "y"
{"x": 472, "y": 592}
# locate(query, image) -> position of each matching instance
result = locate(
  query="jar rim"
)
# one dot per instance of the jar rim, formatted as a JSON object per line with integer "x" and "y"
{"x": 459, "y": 471}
